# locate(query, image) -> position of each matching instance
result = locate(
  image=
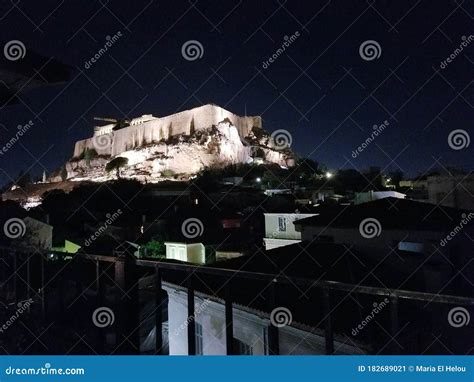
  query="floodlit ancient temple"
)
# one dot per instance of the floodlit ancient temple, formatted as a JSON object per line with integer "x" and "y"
{"x": 148, "y": 129}
{"x": 175, "y": 147}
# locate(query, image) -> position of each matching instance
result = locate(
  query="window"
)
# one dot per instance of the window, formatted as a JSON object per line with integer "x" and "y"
{"x": 199, "y": 339}
{"x": 281, "y": 224}
{"x": 172, "y": 252}
{"x": 411, "y": 246}
{"x": 241, "y": 348}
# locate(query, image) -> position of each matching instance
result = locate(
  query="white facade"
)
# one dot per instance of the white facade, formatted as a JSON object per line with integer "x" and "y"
{"x": 192, "y": 253}
{"x": 250, "y": 329}
{"x": 227, "y": 255}
{"x": 364, "y": 197}
{"x": 280, "y": 230}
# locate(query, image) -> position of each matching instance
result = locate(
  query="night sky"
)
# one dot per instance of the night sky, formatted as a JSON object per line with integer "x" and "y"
{"x": 320, "y": 89}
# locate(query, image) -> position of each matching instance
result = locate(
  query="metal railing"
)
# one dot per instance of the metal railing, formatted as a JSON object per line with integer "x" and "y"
{"x": 126, "y": 277}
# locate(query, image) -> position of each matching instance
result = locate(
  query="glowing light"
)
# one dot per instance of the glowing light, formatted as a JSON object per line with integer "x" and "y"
{"x": 329, "y": 175}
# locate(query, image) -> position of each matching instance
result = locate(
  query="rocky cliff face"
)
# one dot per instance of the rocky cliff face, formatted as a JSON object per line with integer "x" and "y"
{"x": 183, "y": 156}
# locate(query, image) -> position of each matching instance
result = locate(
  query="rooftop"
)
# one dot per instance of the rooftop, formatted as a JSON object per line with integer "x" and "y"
{"x": 392, "y": 213}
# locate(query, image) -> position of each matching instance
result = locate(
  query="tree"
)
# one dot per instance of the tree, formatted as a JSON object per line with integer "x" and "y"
{"x": 155, "y": 247}
{"x": 88, "y": 155}
{"x": 116, "y": 164}
{"x": 63, "y": 174}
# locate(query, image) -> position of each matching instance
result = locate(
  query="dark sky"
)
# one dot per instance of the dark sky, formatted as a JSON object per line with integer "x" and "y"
{"x": 319, "y": 89}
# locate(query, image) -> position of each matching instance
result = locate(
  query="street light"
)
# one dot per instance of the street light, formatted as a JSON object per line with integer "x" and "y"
{"x": 328, "y": 175}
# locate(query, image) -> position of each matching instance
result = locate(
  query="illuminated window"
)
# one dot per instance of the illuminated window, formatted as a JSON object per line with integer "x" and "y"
{"x": 281, "y": 224}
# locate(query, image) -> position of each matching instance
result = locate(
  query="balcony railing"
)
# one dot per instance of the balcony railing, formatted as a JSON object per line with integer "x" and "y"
{"x": 28, "y": 275}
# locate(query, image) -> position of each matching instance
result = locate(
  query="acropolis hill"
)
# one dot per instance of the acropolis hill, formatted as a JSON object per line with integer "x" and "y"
{"x": 174, "y": 146}
{"x": 148, "y": 129}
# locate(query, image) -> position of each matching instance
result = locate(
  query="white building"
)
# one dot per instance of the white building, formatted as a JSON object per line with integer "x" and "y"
{"x": 190, "y": 252}
{"x": 280, "y": 230}
{"x": 250, "y": 329}
{"x": 364, "y": 197}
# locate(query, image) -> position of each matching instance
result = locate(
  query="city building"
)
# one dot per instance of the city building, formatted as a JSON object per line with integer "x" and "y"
{"x": 280, "y": 229}
{"x": 455, "y": 191}
{"x": 189, "y": 252}
{"x": 403, "y": 230}
{"x": 250, "y": 329}
{"x": 37, "y": 234}
{"x": 364, "y": 197}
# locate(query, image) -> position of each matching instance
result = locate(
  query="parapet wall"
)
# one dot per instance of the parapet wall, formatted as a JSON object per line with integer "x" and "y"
{"x": 163, "y": 128}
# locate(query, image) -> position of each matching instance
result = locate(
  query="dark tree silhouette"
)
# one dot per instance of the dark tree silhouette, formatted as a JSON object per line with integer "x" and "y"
{"x": 116, "y": 164}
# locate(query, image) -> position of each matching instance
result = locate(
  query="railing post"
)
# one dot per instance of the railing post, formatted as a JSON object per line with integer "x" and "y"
{"x": 15, "y": 276}
{"x": 28, "y": 282}
{"x": 229, "y": 323}
{"x": 97, "y": 277}
{"x": 328, "y": 332}
{"x": 100, "y": 298}
{"x": 394, "y": 324}
{"x": 273, "y": 335}
{"x": 158, "y": 312}
{"x": 127, "y": 307}
{"x": 44, "y": 303}
{"x": 191, "y": 317}
{"x": 61, "y": 290}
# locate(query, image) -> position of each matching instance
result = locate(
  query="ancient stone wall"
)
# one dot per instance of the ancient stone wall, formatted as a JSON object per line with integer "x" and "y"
{"x": 162, "y": 128}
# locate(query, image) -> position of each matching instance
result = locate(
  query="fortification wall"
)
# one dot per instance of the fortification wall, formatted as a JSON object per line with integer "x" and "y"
{"x": 162, "y": 128}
